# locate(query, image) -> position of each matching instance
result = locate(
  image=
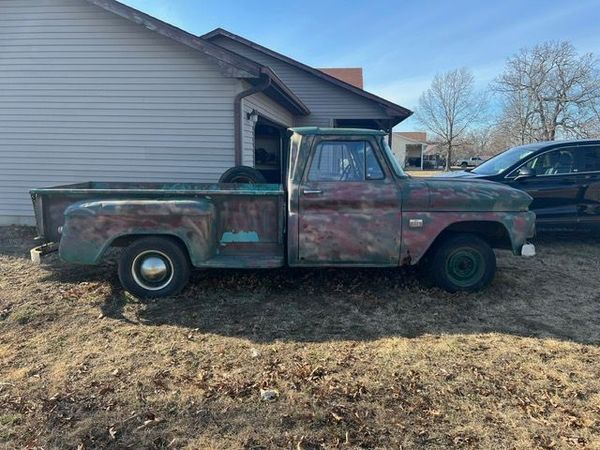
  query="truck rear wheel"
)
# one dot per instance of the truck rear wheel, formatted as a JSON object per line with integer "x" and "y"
{"x": 154, "y": 267}
{"x": 463, "y": 262}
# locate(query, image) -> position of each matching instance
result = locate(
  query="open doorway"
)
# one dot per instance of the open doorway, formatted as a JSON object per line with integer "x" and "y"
{"x": 414, "y": 156}
{"x": 269, "y": 144}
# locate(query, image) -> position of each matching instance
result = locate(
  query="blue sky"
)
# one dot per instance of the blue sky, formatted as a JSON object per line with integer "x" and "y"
{"x": 400, "y": 44}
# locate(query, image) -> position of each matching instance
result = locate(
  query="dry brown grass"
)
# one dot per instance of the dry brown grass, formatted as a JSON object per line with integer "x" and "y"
{"x": 360, "y": 358}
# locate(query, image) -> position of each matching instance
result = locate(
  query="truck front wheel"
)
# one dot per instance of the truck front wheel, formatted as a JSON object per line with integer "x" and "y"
{"x": 154, "y": 267}
{"x": 463, "y": 262}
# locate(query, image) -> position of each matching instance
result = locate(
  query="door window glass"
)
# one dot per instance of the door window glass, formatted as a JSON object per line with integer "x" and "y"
{"x": 556, "y": 162}
{"x": 345, "y": 161}
{"x": 589, "y": 160}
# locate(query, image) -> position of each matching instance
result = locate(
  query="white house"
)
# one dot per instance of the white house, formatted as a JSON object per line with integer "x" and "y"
{"x": 409, "y": 148}
{"x": 96, "y": 90}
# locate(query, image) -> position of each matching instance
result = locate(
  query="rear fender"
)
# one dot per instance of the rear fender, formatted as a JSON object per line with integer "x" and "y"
{"x": 92, "y": 226}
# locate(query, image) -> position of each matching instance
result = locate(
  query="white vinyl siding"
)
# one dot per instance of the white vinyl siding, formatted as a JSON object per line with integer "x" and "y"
{"x": 86, "y": 95}
{"x": 325, "y": 100}
{"x": 267, "y": 108}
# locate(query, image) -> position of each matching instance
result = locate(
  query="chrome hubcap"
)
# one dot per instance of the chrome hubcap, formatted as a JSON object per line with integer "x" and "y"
{"x": 152, "y": 270}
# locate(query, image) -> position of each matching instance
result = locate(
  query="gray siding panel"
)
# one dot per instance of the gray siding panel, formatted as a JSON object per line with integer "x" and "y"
{"x": 325, "y": 100}
{"x": 86, "y": 95}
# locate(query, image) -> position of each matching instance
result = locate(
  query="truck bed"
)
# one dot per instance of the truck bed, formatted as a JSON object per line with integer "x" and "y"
{"x": 250, "y": 219}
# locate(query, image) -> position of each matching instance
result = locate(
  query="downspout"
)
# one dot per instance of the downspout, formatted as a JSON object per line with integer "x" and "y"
{"x": 237, "y": 114}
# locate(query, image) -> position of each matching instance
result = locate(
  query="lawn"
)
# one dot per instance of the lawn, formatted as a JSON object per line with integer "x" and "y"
{"x": 424, "y": 173}
{"x": 355, "y": 358}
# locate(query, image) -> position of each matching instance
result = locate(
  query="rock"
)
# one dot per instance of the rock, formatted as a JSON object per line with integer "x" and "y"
{"x": 269, "y": 395}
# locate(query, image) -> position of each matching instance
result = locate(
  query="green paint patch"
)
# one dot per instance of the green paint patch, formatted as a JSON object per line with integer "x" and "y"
{"x": 241, "y": 236}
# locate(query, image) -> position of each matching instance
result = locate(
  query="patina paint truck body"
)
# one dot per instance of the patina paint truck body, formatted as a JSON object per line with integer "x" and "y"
{"x": 226, "y": 225}
{"x": 345, "y": 202}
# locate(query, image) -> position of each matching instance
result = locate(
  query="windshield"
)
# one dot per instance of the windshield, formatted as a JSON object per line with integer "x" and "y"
{"x": 391, "y": 158}
{"x": 506, "y": 159}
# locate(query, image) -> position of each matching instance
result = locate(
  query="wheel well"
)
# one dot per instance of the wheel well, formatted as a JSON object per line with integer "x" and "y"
{"x": 124, "y": 241}
{"x": 494, "y": 233}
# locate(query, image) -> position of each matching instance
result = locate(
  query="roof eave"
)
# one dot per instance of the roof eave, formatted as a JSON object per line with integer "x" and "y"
{"x": 396, "y": 113}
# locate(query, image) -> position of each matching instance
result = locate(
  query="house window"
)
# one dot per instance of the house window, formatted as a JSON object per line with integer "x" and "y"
{"x": 345, "y": 161}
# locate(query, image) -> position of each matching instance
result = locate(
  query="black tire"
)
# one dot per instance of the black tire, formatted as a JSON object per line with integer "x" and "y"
{"x": 242, "y": 174}
{"x": 464, "y": 165}
{"x": 159, "y": 251}
{"x": 462, "y": 262}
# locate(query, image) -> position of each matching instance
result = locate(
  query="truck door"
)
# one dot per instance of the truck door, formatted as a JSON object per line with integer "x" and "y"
{"x": 349, "y": 205}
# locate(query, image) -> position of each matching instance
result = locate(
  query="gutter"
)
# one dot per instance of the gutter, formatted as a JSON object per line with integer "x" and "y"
{"x": 237, "y": 113}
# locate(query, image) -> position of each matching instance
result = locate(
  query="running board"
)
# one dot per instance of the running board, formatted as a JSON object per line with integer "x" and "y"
{"x": 243, "y": 262}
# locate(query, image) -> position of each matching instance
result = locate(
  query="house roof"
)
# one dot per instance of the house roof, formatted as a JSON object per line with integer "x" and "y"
{"x": 350, "y": 75}
{"x": 398, "y": 112}
{"x": 230, "y": 63}
{"x": 408, "y": 139}
{"x": 415, "y": 135}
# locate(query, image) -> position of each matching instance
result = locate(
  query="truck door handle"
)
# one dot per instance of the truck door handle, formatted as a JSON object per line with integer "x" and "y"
{"x": 312, "y": 191}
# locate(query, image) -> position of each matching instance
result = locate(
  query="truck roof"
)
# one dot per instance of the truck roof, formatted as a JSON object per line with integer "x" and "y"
{"x": 338, "y": 131}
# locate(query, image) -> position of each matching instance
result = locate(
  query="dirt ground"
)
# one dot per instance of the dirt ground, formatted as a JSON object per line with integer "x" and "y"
{"x": 357, "y": 358}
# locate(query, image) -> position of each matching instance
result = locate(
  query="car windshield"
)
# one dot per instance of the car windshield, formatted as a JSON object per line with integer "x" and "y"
{"x": 504, "y": 160}
{"x": 391, "y": 158}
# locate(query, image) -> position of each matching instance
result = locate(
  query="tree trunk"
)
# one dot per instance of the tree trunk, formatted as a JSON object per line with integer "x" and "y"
{"x": 449, "y": 158}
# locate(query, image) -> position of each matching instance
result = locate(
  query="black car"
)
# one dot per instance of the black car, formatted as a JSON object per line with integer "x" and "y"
{"x": 563, "y": 177}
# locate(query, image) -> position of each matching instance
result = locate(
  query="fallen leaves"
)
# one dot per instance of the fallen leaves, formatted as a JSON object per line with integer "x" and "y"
{"x": 359, "y": 359}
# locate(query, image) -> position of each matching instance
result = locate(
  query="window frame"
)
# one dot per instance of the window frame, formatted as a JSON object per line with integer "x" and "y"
{"x": 343, "y": 139}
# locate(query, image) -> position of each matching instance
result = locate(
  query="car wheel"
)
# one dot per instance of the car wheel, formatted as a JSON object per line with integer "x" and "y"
{"x": 154, "y": 267}
{"x": 463, "y": 262}
{"x": 464, "y": 165}
{"x": 242, "y": 174}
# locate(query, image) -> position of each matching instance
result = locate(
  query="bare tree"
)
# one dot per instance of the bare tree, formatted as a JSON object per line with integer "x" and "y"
{"x": 549, "y": 92}
{"x": 477, "y": 140}
{"x": 449, "y": 107}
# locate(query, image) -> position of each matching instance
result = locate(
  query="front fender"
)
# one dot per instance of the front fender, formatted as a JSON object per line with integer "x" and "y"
{"x": 416, "y": 241}
{"x": 91, "y": 226}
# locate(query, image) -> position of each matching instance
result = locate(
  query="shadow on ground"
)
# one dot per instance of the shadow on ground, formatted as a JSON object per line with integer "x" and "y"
{"x": 555, "y": 295}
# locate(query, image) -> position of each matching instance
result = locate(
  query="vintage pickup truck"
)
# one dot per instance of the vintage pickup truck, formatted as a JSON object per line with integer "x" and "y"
{"x": 345, "y": 202}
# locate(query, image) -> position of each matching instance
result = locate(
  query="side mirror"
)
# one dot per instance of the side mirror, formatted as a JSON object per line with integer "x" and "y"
{"x": 524, "y": 173}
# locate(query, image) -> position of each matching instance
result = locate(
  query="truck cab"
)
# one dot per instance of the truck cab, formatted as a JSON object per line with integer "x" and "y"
{"x": 345, "y": 201}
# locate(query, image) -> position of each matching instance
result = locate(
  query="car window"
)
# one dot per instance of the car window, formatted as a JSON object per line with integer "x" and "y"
{"x": 504, "y": 160}
{"x": 345, "y": 161}
{"x": 589, "y": 158}
{"x": 556, "y": 162}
